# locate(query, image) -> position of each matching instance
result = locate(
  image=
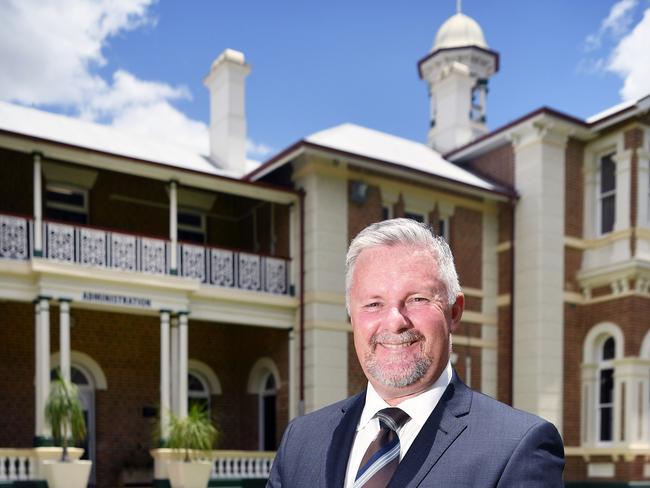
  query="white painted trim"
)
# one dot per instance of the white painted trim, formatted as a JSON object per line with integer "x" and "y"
{"x": 87, "y": 363}
{"x": 645, "y": 346}
{"x": 594, "y": 338}
{"x": 258, "y": 373}
{"x": 205, "y": 371}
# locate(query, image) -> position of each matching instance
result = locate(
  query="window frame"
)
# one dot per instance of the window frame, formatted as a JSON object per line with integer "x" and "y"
{"x": 65, "y": 207}
{"x": 184, "y": 227}
{"x": 601, "y": 196}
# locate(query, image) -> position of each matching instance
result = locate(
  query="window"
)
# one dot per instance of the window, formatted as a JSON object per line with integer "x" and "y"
{"x": 191, "y": 226}
{"x": 606, "y": 391}
{"x": 198, "y": 392}
{"x": 267, "y": 402}
{"x": 66, "y": 203}
{"x": 607, "y": 194}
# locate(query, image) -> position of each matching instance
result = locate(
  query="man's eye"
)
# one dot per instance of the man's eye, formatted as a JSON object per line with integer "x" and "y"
{"x": 372, "y": 305}
{"x": 419, "y": 299}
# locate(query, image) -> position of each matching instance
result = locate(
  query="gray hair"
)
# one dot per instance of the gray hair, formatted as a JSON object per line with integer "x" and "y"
{"x": 406, "y": 232}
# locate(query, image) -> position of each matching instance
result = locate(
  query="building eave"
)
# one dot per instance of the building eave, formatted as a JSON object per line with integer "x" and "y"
{"x": 302, "y": 147}
{"x": 97, "y": 158}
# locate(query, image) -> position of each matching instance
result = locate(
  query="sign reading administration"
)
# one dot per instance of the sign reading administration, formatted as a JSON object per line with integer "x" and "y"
{"x": 110, "y": 299}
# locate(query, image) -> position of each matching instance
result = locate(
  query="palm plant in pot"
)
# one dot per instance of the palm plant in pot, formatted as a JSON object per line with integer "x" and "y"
{"x": 64, "y": 414}
{"x": 194, "y": 435}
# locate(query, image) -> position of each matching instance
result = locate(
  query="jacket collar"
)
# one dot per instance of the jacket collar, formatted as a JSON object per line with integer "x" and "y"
{"x": 445, "y": 424}
{"x": 344, "y": 426}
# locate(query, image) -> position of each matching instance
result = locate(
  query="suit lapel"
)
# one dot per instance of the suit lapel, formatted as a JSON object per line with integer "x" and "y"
{"x": 441, "y": 429}
{"x": 344, "y": 427}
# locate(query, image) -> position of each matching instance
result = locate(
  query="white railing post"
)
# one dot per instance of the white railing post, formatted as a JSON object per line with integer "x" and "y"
{"x": 164, "y": 374}
{"x": 182, "y": 363}
{"x": 38, "y": 207}
{"x": 173, "y": 226}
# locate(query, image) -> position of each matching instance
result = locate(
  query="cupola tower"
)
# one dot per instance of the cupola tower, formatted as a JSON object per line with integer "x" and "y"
{"x": 457, "y": 71}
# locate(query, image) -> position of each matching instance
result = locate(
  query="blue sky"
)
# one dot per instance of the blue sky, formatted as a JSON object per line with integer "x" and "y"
{"x": 139, "y": 64}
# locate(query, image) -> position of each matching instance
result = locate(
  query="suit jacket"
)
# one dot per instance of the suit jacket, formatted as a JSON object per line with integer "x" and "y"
{"x": 469, "y": 440}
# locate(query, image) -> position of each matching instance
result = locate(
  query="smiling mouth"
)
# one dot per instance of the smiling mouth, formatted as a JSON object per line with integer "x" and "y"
{"x": 401, "y": 345}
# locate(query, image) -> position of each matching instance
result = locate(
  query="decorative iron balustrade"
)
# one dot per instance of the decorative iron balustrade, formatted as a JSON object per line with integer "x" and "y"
{"x": 234, "y": 269}
{"x": 92, "y": 247}
{"x": 125, "y": 252}
{"x": 15, "y": 235}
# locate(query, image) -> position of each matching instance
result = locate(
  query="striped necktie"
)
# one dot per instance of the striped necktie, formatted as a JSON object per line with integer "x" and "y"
{"x": 382, "y": 456}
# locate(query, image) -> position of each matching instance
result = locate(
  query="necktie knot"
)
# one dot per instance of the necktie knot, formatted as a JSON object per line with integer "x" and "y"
{"x": 382, "y": 456}
{"x": 394, "y": 418}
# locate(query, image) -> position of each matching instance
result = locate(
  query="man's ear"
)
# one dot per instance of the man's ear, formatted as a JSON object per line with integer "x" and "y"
{"x": 457, "y": 311}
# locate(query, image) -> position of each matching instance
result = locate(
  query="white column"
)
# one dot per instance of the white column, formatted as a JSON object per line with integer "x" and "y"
{"x": 64, "y": 337}
{"x": 293, "y": 397}
{"x": 174, "y": 365}
{"x": 164, "y": 374}
{"x": 490, "y": 274}
{"x": 589, "y": 405}
{"x": 182, "y": 364}
{"x": 632, "y": 372}
{"x": 38, "y": 207}
{"x": 326, "y": 327}
{"x": 173, "y": 226}
{"x": 42, "y": 363}
{"x": 538, "y": 342}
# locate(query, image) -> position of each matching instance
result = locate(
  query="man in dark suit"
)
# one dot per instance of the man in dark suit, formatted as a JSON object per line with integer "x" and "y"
{"x": 416, "y": 424}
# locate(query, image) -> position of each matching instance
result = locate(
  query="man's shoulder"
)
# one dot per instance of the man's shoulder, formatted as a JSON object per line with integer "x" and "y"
{"x": 328, "y": 412}
{"x": 501, "y": 416}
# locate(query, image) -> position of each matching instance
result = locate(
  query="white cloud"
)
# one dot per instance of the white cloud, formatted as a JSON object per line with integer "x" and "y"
{"x": 631, "y": 60}
{"x": 623, "y": 41}
{"x": 50, "y": 48}
{"x": 616, "y": 24}
{"x": 51, "y": 51}
{"x": 257, "y": 149}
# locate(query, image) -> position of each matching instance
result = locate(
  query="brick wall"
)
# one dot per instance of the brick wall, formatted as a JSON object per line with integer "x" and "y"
{"x": 498, "y": 165}
{"x": 466, "y": 242}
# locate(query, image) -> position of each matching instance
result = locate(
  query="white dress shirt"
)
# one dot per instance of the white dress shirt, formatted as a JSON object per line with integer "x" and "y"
{"x": 418, "y": 408}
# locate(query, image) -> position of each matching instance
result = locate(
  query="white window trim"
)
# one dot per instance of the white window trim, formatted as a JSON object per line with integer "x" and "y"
{"x": 591, "y": 163}
{"x": 601, "y": 196}
{"x": 591, "y": 367}
{"x": 64, "y": 206}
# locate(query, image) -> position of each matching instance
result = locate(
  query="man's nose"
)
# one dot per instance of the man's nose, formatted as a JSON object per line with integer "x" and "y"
{"x": 397, "y": 319}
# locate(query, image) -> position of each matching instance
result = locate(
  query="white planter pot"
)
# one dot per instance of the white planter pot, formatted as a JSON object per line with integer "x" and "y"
{"x": 195, "y": 474}
{"x": 73, "y": 474}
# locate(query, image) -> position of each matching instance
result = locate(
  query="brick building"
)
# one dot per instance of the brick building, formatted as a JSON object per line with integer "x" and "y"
{"x": 155, "y": 277}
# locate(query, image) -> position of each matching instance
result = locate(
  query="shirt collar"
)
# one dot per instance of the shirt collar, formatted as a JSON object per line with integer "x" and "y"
{"x": 418, "y": 407}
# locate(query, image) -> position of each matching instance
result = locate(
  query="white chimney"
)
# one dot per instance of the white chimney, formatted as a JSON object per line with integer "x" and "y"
{"x": 227, "y": 114}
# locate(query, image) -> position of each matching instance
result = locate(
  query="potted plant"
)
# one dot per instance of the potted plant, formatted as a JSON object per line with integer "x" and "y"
{"x": 194, "y": 435}
{"x": 64, "y": 414}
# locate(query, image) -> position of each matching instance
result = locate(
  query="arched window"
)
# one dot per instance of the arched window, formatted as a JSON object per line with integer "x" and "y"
{"x": 264, "y": 382}
{"x": 198, "y": 392}
{"x": 606, "y": 390}
{"x": 601, "y": 418}
{"x": 268, "y": 417}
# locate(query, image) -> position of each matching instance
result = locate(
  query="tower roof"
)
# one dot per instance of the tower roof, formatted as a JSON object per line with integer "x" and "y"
{"x": 459, "y": 31}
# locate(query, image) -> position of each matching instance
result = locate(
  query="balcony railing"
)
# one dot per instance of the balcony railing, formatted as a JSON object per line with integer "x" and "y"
{"x": 126, "y": 252}
{"x": 226, "y": 465}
